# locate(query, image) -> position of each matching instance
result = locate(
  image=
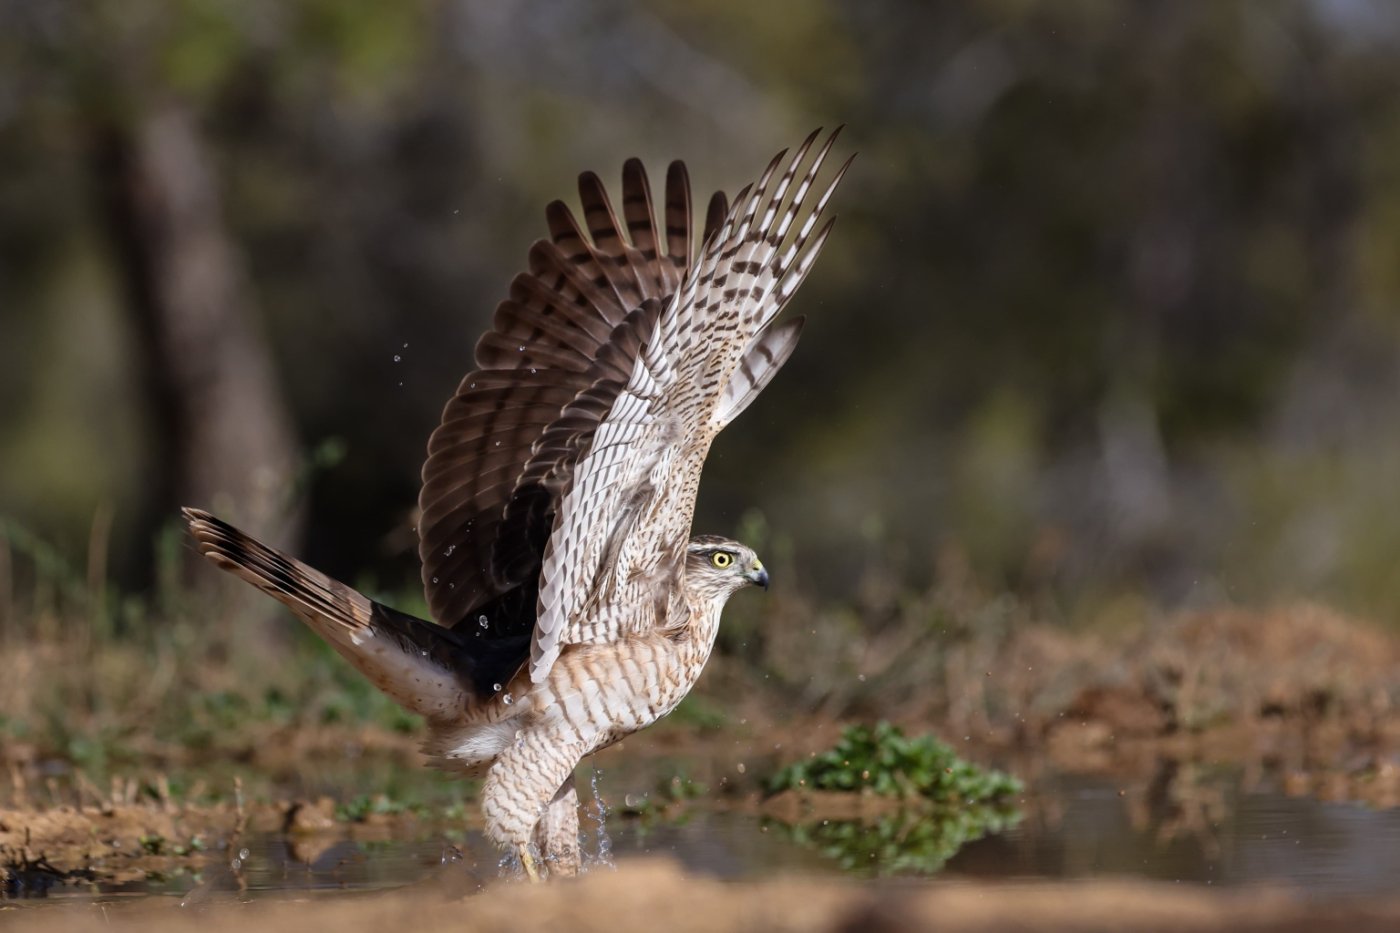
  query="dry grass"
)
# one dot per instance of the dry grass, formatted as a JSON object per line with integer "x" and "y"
{"x": 99, "y": 686}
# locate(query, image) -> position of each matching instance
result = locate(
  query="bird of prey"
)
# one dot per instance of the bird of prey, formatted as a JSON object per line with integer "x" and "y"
{"x": 573, "y": 606}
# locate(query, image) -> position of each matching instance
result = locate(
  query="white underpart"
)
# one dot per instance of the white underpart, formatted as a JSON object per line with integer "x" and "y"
{"x": 479, "y": 746}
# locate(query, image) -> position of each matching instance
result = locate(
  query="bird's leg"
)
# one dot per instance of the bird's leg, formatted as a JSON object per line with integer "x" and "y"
{"x": 556, "y": 834}
{"x": 522, "y": 783}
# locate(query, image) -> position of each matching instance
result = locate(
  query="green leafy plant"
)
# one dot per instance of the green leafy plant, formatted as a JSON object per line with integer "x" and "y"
{"x": 881, "y": 759}
{"x": 945, "y": 801}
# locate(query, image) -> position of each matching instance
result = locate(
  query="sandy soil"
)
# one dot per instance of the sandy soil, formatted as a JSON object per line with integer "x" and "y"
{"x": 657, "y": 895}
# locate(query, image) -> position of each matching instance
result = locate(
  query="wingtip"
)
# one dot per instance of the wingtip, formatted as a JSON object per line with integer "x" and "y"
{"x": 557, "y": 212}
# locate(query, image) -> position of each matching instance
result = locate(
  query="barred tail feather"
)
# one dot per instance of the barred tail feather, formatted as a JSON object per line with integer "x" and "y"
{"x": 421, "y": 666}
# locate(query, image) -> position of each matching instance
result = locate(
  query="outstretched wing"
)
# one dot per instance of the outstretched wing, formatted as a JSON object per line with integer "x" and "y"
{"x": 625, "y": 509}
{"x": 561, "y": 347}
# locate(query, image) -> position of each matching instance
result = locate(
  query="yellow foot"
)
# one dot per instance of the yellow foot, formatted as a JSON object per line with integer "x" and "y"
{"x": 527, "y": 861}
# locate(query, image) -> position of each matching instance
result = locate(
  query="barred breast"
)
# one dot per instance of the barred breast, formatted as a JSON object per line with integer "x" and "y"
{"x": 594, "y": 696}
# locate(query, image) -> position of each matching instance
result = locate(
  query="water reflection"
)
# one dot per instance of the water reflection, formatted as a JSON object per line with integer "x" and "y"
{"x": 1204, "y": 828}
{"x": 1188, "y": 824}
{"x": 912, "y": 841}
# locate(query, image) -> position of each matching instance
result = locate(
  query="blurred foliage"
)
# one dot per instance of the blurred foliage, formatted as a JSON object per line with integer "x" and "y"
{"x": 365, "y": 806}
{"x": 881, "y": 759}
{"x": 668, "y": 804}
{"x": 1111, "y": 313}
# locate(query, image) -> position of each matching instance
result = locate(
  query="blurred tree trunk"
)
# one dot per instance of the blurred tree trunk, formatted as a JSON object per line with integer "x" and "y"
{"x": 222, "y": 432}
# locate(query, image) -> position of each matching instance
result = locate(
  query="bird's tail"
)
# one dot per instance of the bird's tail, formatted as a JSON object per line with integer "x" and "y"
{"x": 417, "y": 663}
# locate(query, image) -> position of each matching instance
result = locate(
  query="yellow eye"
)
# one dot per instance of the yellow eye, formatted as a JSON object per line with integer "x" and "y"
{"x": 721, "y": 559}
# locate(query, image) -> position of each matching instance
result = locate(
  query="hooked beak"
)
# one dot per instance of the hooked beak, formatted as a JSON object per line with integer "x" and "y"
{"x": 757, "y": 575}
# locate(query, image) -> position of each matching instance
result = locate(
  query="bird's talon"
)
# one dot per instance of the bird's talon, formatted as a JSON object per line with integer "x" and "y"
{"x": 527, "y": 861}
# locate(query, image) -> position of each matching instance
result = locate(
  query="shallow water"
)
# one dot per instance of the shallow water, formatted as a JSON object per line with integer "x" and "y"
{"x": 1209, "y": 828}
{"x": 1223, "y": 836}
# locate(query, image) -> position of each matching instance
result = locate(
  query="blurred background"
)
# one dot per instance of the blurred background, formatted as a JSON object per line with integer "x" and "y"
{"x": 1110, "y": 321}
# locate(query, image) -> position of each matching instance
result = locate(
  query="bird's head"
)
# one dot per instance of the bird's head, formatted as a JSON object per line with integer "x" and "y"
{"x": 722, "y": 566}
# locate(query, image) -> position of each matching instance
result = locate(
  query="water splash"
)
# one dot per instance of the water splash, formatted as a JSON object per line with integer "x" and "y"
{"x": 603, "y": 856}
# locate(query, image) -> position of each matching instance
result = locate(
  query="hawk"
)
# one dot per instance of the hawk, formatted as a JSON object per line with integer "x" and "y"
{"x": 573, "y": 606}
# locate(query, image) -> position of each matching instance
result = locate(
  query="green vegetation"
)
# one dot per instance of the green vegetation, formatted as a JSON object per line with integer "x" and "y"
{"x": 158, "y": 845}
{"x": 945, "y": 802}
{"x": 364, "y": 806}
{"x": 669, "y": 797}
{"x": 882, "y": 760}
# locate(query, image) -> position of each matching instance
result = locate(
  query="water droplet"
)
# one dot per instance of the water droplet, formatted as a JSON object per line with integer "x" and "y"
{"x": 397, "y": 358}
{"x": 483, "y": 621}
{"x": 405, "y": 346}
{"x": 472, "y": 386}
{"x": 507, "y": 699}
{"x": 450, "y": 549}
{"x": 533, "y": 370}
{"x": 434, "y": 579}
{"x": 496, "y": 688}
{"x": 521, "y": 348}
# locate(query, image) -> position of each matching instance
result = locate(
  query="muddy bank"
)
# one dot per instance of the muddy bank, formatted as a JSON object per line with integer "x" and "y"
{"x": 657, "y": 895}
{"x": 43, "y": 851}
